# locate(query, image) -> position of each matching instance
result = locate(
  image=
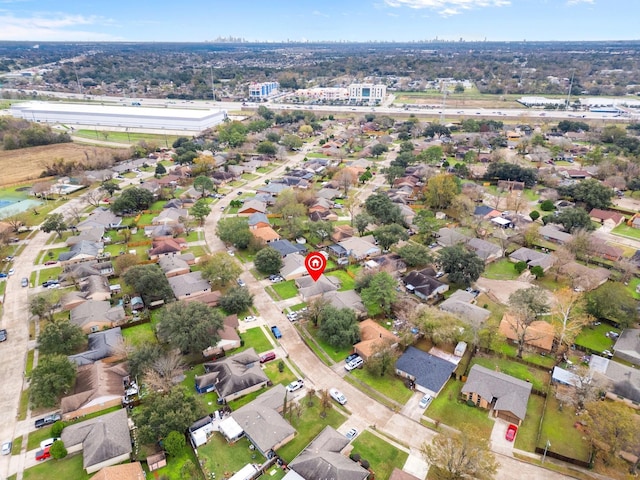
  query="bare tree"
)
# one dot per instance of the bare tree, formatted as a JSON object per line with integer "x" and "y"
{"x": 93, "y": 197}
{"x": 562, "y": 256}
{"x": 165, "y": 372}
{"x": 527, "y": 304}
{"x": 568, "y": 317}
{"x": 585, "y": 387}
{"x": 325, "y": 402}
{"x": 345, "y": 178}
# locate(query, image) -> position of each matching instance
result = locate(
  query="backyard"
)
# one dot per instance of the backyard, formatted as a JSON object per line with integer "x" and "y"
{"x": 558, "y": 427}
{"x": 537, "y": 377}
{"x": 140, "y": 334}
{"x": 594, "y": 337}
{"x": 224, "y": 459}
{"x": 382, "y": 456}
{"x": 346, "y": 281}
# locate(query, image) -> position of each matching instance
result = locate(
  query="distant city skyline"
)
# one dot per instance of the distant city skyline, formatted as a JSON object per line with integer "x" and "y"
{"x": 314, "y": 21}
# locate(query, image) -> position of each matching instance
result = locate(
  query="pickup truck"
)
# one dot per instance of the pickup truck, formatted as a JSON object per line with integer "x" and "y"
{"x": 48, "y": 420}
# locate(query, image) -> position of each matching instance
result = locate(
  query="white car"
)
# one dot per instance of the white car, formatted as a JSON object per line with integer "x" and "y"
{"x": 338, "y": 396}
{"x": 11, "y": 271}
{"x": 351, "y": 434}
{"x": 293, "y": 386}
{"x": 425, "y": 401}
{"x": 250, "y": 318}
{"x": 48, "y": 442}
{"x": 6, "y": 448}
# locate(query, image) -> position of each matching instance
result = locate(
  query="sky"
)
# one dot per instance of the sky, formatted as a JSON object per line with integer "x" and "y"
{"x": 319, "y": 20}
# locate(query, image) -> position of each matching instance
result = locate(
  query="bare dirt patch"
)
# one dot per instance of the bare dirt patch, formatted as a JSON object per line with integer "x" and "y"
{"x": 26, "y": 164}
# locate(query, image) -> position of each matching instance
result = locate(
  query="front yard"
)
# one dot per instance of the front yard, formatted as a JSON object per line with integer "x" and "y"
{"x": 625, "y": 230}
{"x": 501, "y": 270}
{"x": 558, "y": 426}
{"x": 285, "y": 290}
{"x": 528, "y": 431}
{"x": 389, "y": 385}
{"x": 256, "y": 338}
{"x": 382, "y": 456}
{"x": 336, "y": 354}
{"x": 69, "y": 468}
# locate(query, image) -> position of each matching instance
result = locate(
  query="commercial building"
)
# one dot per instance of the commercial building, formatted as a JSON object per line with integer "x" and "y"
{"x": 367, "y": 92}
{"x": 169, "y": 119}
{"x": 259, "y": 91}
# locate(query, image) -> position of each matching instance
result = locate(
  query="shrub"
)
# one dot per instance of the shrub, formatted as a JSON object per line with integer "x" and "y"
{"x": 520, "y": 267}
{"x": 56, "y": 428}
{"x": 534, "y": 215}
{"x": 58, "y": 450}
{"x": 174, "y": 443}
{"x": 537, "y": 271}
{"x": 547, "y": 206}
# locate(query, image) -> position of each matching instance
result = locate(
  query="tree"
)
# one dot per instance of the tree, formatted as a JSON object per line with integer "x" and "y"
{"x": 339, "y": 327}
{"x": 234, "y": 230}
{"x": 321, "y": 229}
{"x": 142, "y": 357}
{"x": 345, "y": 178}
{"x": 585, "y": 388}
{"x": 200, "y": 211}
{"x": 537, "y": 271}
{"x": 459, "y": 456}
{"x": 164, "y": 371}
{"x": 534, "y": 215}
{"x": 432, "y": 154}
{"x": 572, "y": 219}
{"x": 58, "y": 450}
{"x": 54, "y": 223}
{"x": 220, "y": 268}
{"x": 393, "y": 172}
{"x": 612, "y": 428}
{"x": 383, "y": 209}
{"x": 612, "y": 301}
{"x": 53, "y": 377}
{"x": 378, "y": 149}
{"x": 520, "y": 267}
{"x": 315, "y": 309}
{"x": 527, "y": 304}
{"x": 150, "y": 282}
{"x": 44, "y": 305}
{"x": 292, "y": 142}
{"x": 175, "y": 443}
{"x": 441, "y": 190}
{"x": 159, "y": 415}
{"x": 293, "y": 213}
{"x": 427, "y": 224}
{"x": 383, "y": 358}
{"x": 191, "y": 327}
{"x": 568, "y": 316}
{"x": 388, "y": 235}
{"x": 361, "y": 221}
{"x": 438, "y": 326}
{"x": 110, "y": 186}
{"x": 232, "y": 133}
{"x": 415, "y": 255}
{"x": 380, "y": 293}
{"x": 463, "y": 266}
{"x": 160, "y": 169}
{"x": 547, "y": 206}
{"x": 236, "y": 300}
{"x": 203, "y": 184}
{"x": 268, "y": 261}
{"x": 132, "y": 200}
{"x": 124, "y": 262}
{"x": 266, "y": 148}
{"x": 591, "y": 192}
{"x": 511, "y": 171}
{"x": 60, "y": 337}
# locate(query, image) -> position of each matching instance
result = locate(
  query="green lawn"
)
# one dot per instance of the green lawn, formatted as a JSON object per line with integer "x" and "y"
{"x": 223, "y": 459}
{"x": 285, "y": 290}
{"x": 501, "y": 270}
{"x": 631, "y": 288}
{"x": 528, "y": 431}
{"x": 558, "y": 428}
{"x": 382, "y": 456}
{"x": 346, "y": 282}
{"x": 448, "y": 410}
{"x": 173, "y": 470}
{"x": 198, "y": 250}
{"x": 297, "y": 306}
{"x": 51, "y": 254}
{"x": 336, "y": 354}
{"x": 505, "y": 347}
{"x": 35, "y": 437}
{"x": 249, "y": 176}
{"x": 625, "y": 230}
{"x": 126, "y": 137}
{"x": 389, "y": 385}
{"x": 69, "y": 468}
{"x": 593, "y": 337}
{"x": 208, "y": 401}
{"x": 308, "y": 426}
{"x": 16, "y": 446}
{"x": 256, "y": 338}
{"x": 140, "y": 334}
{"x": 538, "y": 378}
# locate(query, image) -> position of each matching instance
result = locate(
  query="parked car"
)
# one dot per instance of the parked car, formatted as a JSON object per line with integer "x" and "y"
{"x": 6, "y": 448}
{"x": 267, "y": 357}
{"x": 48, "y": 420}
{"x": 12, "y": 271}
{"x": 276, "y": 332}
{"x": 250, "y": 318}
{"x": 3, "y": 275}
{"x": 351, "y": 357}
{"x": 43, "y": 454}
{"x": 51, "y": 262}
{"x": 351, "y": 434}
{"x": 24, "y": 282}
{"x": 353, "y": 364}
{"x": 338, "y": 396}
{"x": 48, "y": 442}
{"x": 3, "y": 335}
{"x": 241, "y": 282}
{"x": 425, "y": 401}
{"x": 297, "y": 385}
{"x": 511, "y": 432}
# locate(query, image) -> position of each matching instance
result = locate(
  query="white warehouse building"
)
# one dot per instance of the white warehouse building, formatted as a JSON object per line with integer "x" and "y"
{"x": 192, "y": 120}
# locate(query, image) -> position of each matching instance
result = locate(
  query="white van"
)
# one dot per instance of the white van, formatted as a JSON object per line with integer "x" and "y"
{"x": 353, "y": 364}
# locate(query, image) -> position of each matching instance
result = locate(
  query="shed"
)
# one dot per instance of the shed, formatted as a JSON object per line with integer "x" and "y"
{"x": 460, "y": 350}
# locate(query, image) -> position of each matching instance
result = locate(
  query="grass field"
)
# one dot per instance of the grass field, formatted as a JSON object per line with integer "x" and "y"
{"x": 286, "y": 289}
{"x": 382, "y": 456}
{"x": 255, "y": 337}
{"x": 346, "y": 282}
{"x": 69, "y": 468}
{"x": 594, "y": 337}
{"x": 335, "y": 354}
{"x": 558, "y": 428}
{"x": 125, "y": 137}
{"x": 27, "y": 163}
{"x": 501, "y": 270}
{"x": 140, "y": 334}
{"x": 528, "y": 431}
{"x": 626, "y": 231}
{"x": 389, "y": 385}
{"x": 222, "y": 458}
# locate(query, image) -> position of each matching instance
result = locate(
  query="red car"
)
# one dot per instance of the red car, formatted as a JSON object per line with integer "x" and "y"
{"x": 43, "y": 454}
{"x": 511, "y": 432}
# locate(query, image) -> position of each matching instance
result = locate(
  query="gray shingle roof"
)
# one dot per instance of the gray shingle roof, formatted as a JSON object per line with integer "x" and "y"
{"x": 233, "y": 374}
{"x": 429, "y": 372}
{"x": 510, "y": 393}
{"x": 101, "y": 345}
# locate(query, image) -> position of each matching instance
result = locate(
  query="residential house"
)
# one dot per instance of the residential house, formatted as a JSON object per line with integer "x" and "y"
{"x": 428, "y": 373}
{"x": 155, "y": 231}
{"x": 81, "y": 252}
{"x": 329, "y": 193}
{"x": 100, "y": 217}
{"x": 460, "y": 304}
{"x": 510, "y": 185}
{"x": 273, "y": 189}
{"x": 170, "y": 216}
{"x": 539, "y": 335}
{"x": 125, "y": 471}
{"x": 165, "y": 246}
{"x": 91, "y": 234}
{"x": 621, "y": 382}
{"x": 342, "y": 232}
{"x": 293, "y": 266}
{"x": 398, "y": 474}
{"x": 258, "y": 220}
{"x": 585, "y": 278}
{"x": 554, "y": 233}
{"x": 487, "y": 251}
{"x": 486, "y": 212}
{"x": 627, "y": 346}
{"x": 533, "y": 258}
{"x": 346, "y": 299}
{"x": 252, "y": 206}
{"x": 265, "y": 235}
{"x": 360, "y": 248}
{"x": 635, "y": 221}
{"x": 606, "y": 251}
{"x": 103, "y": 345}
{"x": 211, "y": 299}
{"x": 104, "y": 440}
{"x": 322, "y": 459}
{"x": 447, "y": 237}
{"x": 229, "y": 338}
{"x": 79, "y": 271}
{"x": 94, "y": 315}
{"x": 262, "y": 422}
{"x": 173, "y": 265}
{"x": 504, "y": 395}
{"x": 326, "y": 215}
{"x": 607, "y": 218}
{"x": 408, "y": 214}
{"x": 321, "y": 205}
{"x": 233, "y": 377}
{"x": 424, "y": 285}
{"x": 308, "y": 289}
{"x": 189, "y": 285}
{"x": 285, "y": 247}
{"x": 98, "y": 386}
{"x": 373, "y": 337}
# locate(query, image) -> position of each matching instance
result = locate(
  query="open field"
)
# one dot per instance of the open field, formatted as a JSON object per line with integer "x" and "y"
{"x": 27, "y": 163}
{"x": 126, "y": 137}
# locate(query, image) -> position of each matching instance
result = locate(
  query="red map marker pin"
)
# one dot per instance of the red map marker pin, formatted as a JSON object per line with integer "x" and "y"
{"x": 315, "y": 264}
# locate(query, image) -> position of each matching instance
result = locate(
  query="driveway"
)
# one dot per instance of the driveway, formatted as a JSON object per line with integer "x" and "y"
{"x": 499, "y": 443}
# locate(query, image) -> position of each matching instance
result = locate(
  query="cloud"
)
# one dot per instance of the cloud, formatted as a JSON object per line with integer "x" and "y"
{"x": 578, "y": 2}
{"x": 318, "y": 13}
{"x": 53, "y": 27}
{"x": 447, "y": 8}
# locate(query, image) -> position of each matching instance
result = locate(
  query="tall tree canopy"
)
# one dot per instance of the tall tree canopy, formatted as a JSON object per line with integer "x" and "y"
{"x": 150, "y": 282}
{"x": 53, "y": 377}
{"x": 192, "y": 327}
{"x": 339, "y": 327}
{"x": 463, "y": 266}
{"x": 234, "y": 230}
{"x": 380, "y": 207}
